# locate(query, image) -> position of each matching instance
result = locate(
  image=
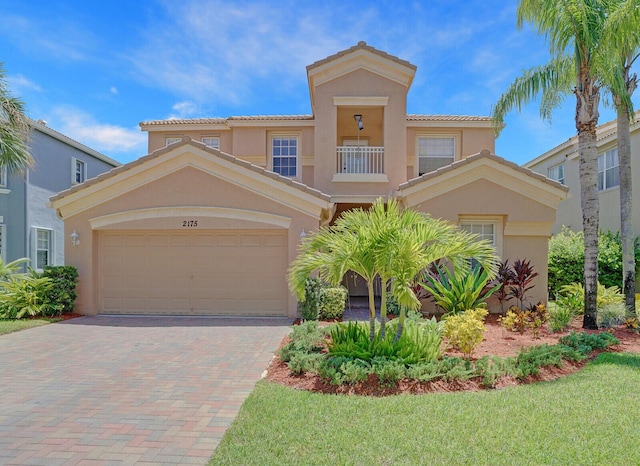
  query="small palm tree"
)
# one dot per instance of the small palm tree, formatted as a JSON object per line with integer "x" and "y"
{"x": 389, "y": 243}
{"x": 14, "y": 130}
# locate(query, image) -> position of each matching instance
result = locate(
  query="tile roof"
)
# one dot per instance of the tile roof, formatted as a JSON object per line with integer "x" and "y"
{"x": 472, "y": 158}
{"x": 223, "y": 121}
{"x": 186, "y": 140}
{"x": 420, "y": 117}
{"x": 362, "y": 45}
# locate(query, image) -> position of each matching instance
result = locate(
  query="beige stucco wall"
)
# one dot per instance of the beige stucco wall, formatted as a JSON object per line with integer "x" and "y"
{"x": 569, "y": 211}
{"x": 517, "y": 217}
{"x": 188, "y": 187}
{"x": 383, "y": 125}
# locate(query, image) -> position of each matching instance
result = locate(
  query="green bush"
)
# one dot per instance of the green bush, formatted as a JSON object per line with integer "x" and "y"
{"x": 612, "y": 315}
{"x": 332, "y": 302}
{"x": 458, "y": 292}
{"x": 305, "y": 338}
{"x": 25, "y": 296}
{"x": 63, "y": 293}
{"x": 566, "y": 259}
{"x": 389, "y": 372}
{"x": 465, "y": 331}
{"x": 420, "y": 342}
{"x": 309, "y": 309}
{"x": 305, "y": 362}
{"x": 572, "y": 296}
{"x": 560, "y": 317}
{"x": 587, "y": 342}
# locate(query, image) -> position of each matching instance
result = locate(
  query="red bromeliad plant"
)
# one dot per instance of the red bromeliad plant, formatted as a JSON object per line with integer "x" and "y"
{"x": 506, "y": 279}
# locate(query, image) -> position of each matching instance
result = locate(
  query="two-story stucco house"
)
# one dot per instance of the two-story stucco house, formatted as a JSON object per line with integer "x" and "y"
{"x": 209, "y": 220}
{"x": 561, "y": 164}
{"x": 28, "y": 227}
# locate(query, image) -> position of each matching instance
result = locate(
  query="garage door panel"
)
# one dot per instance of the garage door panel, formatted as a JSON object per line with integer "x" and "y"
{"x": 195, "y": 272}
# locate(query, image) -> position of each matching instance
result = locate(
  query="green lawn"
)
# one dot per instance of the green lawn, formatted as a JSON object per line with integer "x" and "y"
{"x": 9, "y": 326}
{"x": 591, "y": 417}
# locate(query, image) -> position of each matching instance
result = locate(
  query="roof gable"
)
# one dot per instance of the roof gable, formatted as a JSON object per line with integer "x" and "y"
{"x": 483, "y": 165}
{"x": 360, "y": 56}
{"x": 190, "y": 153}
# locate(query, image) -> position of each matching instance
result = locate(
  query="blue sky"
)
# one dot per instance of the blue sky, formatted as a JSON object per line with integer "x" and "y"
{"x": 94, "y": 70}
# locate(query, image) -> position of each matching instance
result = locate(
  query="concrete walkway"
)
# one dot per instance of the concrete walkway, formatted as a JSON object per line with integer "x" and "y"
{"x": 109, "y": 390}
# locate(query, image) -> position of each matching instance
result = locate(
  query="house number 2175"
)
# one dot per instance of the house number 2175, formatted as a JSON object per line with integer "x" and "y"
{"x": 189, "y": 223}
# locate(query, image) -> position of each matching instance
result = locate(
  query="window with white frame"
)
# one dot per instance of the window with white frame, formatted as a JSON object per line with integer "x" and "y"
{"x": 3, "y": 177}
{"x": 557, "y": 173}
{"x": 43, "y": 247}
{"x": 608, "y": 173}
{"x": 284, "y": 155}
{"x": 213, "y": 142}
{"x": 78, "y": 171}
{"x": 487, "y": 228}
{"x": 435, "y": 152}
{"x": 169, "y": 141}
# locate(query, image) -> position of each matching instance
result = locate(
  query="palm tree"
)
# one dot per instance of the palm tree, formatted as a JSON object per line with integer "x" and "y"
{"x": 569, "y": 25}
{"x": 622, "y": 38}
{"x": 14, "y": 130}
{"x": 389, "y": 243}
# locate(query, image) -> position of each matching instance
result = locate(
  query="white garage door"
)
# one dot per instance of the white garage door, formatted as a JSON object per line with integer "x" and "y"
{"x": 211, "y": 272}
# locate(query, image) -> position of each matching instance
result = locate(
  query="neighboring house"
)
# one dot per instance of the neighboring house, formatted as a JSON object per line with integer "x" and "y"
{"x": 561, "y": 164}
{"x": 28, "y": 227}
{"x": 209, "y": 221}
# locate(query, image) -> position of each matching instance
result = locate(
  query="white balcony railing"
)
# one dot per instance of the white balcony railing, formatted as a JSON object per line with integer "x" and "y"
{"x": 360, "y": 159}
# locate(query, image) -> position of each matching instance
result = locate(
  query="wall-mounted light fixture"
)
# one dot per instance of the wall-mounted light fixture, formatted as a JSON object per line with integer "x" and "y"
{"x": 303, "y": 234}
{"x": 75, "y": 238}
{"x": 358, "y": 118}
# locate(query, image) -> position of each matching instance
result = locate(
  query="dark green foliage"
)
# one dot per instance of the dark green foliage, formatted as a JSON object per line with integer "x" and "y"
{"x": 63, "y": 293}
{"x": 309, "y": 309}
{"x": 587, "y": 342}
{"x": 530, "y": 360}
{"x": 566, "y": 259}
{"x": 419, "y": 342}
{"x": 389, "y": 372}
{"x": 306, "y": 338}
{"x": 304, "y": 362}
{"x": 332, "y": 302}
{"x": 456, "y": 292}
{"x": 491, "y": 369}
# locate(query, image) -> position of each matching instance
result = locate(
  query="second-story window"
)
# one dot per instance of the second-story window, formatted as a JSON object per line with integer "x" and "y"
{"x": 78, "y": 171}
{"x": 434, "y": 153}
{"x": 608, "y": 173}
{"x": 43, "y": 247}
{"x": 169, "y": 141}
{"x": 557, "y": 173}
{"x": 3, "y": 177}
{"x": 284, "y": 155}
{"x": 213, "y": 142}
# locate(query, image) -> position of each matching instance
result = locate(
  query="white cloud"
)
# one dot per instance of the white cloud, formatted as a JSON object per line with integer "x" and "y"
{"x": 102, "y": 137}
{"x": 19, "y": 83}
{"x": 183, "y": 109}
{"x": 113, "y": 90}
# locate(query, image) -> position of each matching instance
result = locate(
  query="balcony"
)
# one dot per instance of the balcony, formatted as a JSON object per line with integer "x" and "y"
{"x": 360, "y": 160}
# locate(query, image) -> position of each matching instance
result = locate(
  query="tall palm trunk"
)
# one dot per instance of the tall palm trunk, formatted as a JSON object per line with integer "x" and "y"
{"x": 587, "y": 99}
{"x": 372, "y": 310}
{"x": 626, "y": 224}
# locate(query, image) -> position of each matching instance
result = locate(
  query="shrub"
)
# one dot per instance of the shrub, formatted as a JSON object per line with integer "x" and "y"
{"x": 309, "y": 309}
{"x": 465, "y": 331}
{"x": 505, "y": 279}
{"x": 332, "y": 302}
{"x": 516, "y": 320}
{"x": 572, "y": 295}
{"x": 355, "y": 371}
{"x": 566, "y": 259}
{"x": 63, "y": 292}
{"x": 306, "y": 338}
{"x": 492, "y": 369}
{"x": 559, "y": 317}
{"x": 305, "y": 362}
{"x": 587, "y": 342}
{"x": 530, "y": 360}
{"x": 522, "y": 280}
{"x": 389, "y": 372}
{"x": 611, "y": 315}
{"x": 25, "y": 296}
{"x": 456, "y": 292}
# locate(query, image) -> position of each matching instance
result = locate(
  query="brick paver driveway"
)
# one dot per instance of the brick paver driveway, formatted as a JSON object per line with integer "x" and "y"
{"x": 128, "y": 390}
